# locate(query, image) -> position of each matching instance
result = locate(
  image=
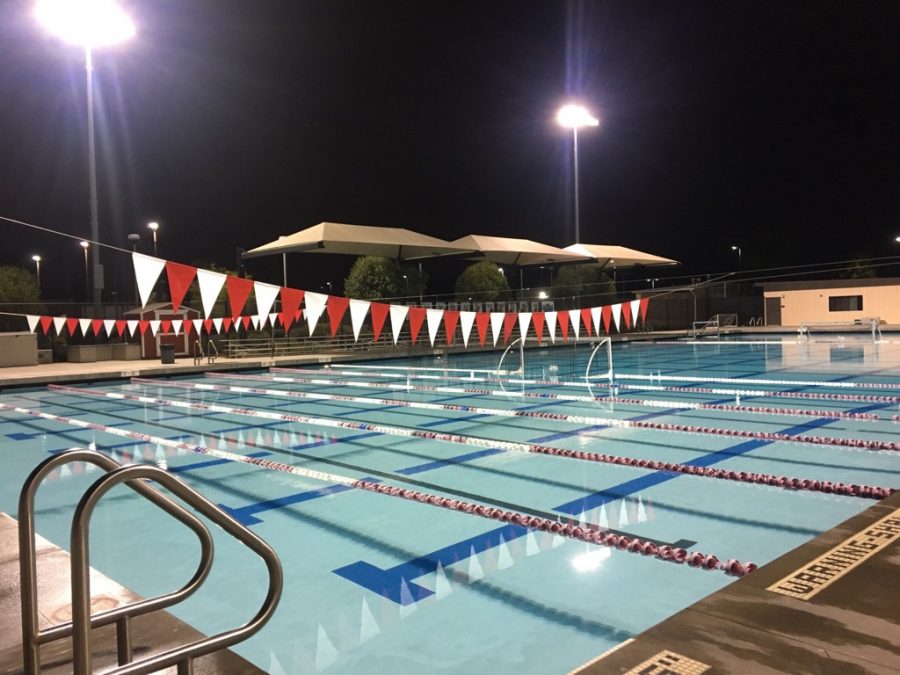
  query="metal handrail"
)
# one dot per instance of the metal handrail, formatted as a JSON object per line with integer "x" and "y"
{"x": 32, "y": 636}
{"x": 521, "y": 369}
{"x": 212, "y": 346}
{"x": 609, "y": 373}
{"x": 82, "y": 621}
{"x": 198, "y": 352}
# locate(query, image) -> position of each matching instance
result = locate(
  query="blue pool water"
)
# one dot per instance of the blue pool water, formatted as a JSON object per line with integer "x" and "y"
{"x": 378, "y": 584}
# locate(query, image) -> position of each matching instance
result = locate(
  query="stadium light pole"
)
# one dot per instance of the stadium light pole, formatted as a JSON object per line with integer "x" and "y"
{"x": 88, "y": 24}
{"x": 37, "y": 264}
{"x": 154, "y": 228}
{"x": 87, "y": 276}
{"x": 574, "y": 117}
{"x": 738, "y": 249}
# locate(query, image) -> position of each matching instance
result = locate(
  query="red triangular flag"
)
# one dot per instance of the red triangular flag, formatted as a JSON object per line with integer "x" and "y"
{"x": 238, "y": 292}
{"x": 336, "y": 307}
{"x": 165, "y": 324}
{"x": 537, "y": 320}
{"x": 482, "y": 319}
{"x": 451, "y": 318}
{"x": 290, "y": 303}
{"x": 96, "y": 325}
{"x": 46, "y": 322}
{"x": 379, "y": 312}
{"x": 606, "y": 315}
{"x": 644, "y": 303}
{"x": 416, "y": 317}
{"x": 508, "y": 322}
{"x": 180, "y": 278}
{"x": 563, "y": 319}
{"x": 207, "y": 326}
{"x": 72, "y": 326}
{"x": 586, "y": 320}
{"x": 245, "y": 322}
{"x": 626, "y": 314}
{"x": 226, "y": 323}
{"x": 143, "y": 324}
{"x": 120, "y": 326}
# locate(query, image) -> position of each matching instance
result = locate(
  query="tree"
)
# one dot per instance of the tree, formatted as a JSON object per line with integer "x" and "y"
{"x": 859, "y": 269}
{"x": 481, "y": 281}
{"x": 18, "y": 285}
{"x": 372, "y": 278}
{"x": 588, "y": 279}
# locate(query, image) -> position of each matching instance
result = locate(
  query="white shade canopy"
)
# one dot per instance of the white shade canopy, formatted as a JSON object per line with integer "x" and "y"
{"x": 518, "y": 252}
{"x": 389, "y": 242}
{"x": 618, "y": 256}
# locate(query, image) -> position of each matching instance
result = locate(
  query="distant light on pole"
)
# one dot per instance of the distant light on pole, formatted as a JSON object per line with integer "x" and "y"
{"x": 37, "y": 264}
{"x": 897, "y": 239}
{"x": 542, "y": 295}
{"x": 283, "y": 265}
{"x": 738, "y": 249}
{"x": 573, "y": 117}
{"x": 154, "y": 228}
{"x": 328, "y": 283}
{"x": 88, "y": 24}
{"x": 87, "y": 275}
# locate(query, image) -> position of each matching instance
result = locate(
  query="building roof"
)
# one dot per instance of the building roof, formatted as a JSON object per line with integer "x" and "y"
{"x": 813, "y": 284}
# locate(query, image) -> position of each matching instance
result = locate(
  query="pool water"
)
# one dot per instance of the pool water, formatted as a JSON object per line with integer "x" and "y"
{"x": 380, "y": 584}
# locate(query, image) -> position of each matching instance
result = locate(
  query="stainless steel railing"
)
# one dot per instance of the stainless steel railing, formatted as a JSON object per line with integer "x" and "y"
{"x": 83, "y": 621}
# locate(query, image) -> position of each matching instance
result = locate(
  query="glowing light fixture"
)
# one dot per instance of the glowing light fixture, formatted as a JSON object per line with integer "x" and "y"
{"x": 573, "y": 116}
{"x": 86, "y": 23}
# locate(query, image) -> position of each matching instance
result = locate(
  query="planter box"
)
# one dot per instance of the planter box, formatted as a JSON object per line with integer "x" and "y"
{"x": 18, "y": 349}
{"x": 82, "y": 353}
{"x": 104, "y": 352}
{"x": 45, "y": 356}
{"x": 126, "y": 352}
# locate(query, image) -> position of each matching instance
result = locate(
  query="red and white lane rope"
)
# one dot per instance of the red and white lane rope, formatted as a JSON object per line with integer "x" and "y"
{"x": 594, "y": 536}
{"x": 785, "y": 482}
{"x": 647, "y": 403}
{"x": 856, "y": 443}
{"x": 819, "y": 396}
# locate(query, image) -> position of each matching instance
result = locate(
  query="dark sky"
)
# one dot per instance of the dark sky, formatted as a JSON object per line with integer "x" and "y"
{"x": 772, "y": 125}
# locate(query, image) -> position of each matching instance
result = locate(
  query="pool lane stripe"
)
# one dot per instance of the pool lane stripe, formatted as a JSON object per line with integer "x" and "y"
{"x": 668, "y": 405}
{"x": 634, "y": 423}
{"x": 686, "y": 387}
{"x": 818, "y": 574}
{"x": 586, "y": 533}
{"x": 785, "y": 482}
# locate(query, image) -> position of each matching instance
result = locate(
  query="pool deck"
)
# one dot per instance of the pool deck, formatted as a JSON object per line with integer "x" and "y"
{"x": 850, "y": 626}
{"x": 150, "y": 634}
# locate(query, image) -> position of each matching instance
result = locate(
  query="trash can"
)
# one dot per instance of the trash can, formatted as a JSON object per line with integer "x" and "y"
{"x": 167, "y": 353}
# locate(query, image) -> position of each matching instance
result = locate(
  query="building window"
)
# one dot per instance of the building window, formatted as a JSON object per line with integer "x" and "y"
{"x": 845, "y": 303}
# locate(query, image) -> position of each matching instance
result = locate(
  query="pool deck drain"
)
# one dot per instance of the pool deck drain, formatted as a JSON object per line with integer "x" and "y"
{"x": 851, "y": 625}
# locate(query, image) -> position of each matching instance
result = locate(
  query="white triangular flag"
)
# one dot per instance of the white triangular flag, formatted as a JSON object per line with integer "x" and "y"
{"x": 217, "y": 324}
{"x": 617, "y": 313}
{"x": 176, "y": 325}
{"x": 273, "y": 317}
{"x": 265, "y": 297}
{"x": 326, "y": 652}
{"x": 210, "y": 286}
{"x": 254, "y": 320}
{"x": 398, "y": 316}
{"x": 466, "y": 319}
{"x": 146, "y": 271}
{"x": 132, "y": 326}
{"x": 434, "y": 318}
{"x": 623, "y": 515}
{"x": 32, "y": 321}
{"x": 84, "y": 324}
{"x": 524, "y": 323}
{"x": 59, "y": 323}
{"x": 635, "y": 311}
{"x": 109, "y": 324}
{"x": 475, "y": 571}
{"x": 596, "y": 313}
{"x": 154, "y": 327}
{"x": 504, "y": 559}
{"x": 358, "y": 311}
{"x": 442, "y": 587}
{"x": 198, "y": 326}
{"x": 368, "y": 626}
{"x": 315, "y": 305}
{"x": 551, "y": 325}
{"x": 575, "y": 321}
{"x": 496, "y": 325}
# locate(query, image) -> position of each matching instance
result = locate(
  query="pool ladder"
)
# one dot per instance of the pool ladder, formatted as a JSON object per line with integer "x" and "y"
{"x": 135, "y": 476}
{"x": 199, "y": 355}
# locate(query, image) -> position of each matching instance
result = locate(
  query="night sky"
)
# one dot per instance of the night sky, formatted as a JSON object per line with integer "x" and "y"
{"x": 771, "y": 125}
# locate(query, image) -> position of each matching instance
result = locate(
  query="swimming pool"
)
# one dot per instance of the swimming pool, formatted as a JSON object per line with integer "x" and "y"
{"x": 380, "y": 584}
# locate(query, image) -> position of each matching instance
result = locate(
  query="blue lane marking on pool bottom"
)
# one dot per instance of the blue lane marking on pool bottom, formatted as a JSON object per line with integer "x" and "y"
{"x": 245, "y": 514}
{"x": 428, "y": 466}
{"x": 25, "y": 436}
{"x": 396, "y": 582}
